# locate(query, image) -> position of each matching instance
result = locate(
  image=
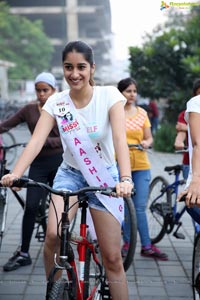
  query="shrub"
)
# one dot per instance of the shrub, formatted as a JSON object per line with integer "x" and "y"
{"x": 164, "y": 138}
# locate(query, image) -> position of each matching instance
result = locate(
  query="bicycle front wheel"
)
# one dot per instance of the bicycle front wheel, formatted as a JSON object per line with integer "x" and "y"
{"x": 130, "y": 221}
{"x": 8, "y": 140}
{"x": 158, "y": 206}
{"x": 92, "y": 275}
{"x": 59, "y": 290}
{"x": 196, "y": 268}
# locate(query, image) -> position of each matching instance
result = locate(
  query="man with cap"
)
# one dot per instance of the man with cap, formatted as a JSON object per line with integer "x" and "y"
{"x": 42, "y": 169}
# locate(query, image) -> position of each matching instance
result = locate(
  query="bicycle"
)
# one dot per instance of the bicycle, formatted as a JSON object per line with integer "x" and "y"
{"x": 162, "y": 206}
{"x": 139, "y": 147}
{"x": 42, "y": 214}
{"x": 91, "y": 282}
{"x": 195, "y": 259}
{"x": 4, "y": 190}
{"x": 9, "y": 139}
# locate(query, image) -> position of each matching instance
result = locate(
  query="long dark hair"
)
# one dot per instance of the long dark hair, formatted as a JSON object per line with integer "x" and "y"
{"x": 84, "y": 49}
{"x": 124, "y": 83}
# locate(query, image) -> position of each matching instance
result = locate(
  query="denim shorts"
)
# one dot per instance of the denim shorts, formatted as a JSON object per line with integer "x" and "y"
{"x": 71, "y": 179}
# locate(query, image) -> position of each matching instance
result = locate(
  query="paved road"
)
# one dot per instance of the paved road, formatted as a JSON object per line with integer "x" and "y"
{"x": 147, "y": 279}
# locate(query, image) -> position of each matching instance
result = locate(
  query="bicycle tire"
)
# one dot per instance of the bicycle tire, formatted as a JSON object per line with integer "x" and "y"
{"x": 8, "y": 140}
{"x": 196, "y": 268}
{"x": 158, "y": 203}
{"x": 59, "y": 290}
{"x": 92, "y": 276}
{"x": 3, "y": 212}
{"x": 130, "y": 215}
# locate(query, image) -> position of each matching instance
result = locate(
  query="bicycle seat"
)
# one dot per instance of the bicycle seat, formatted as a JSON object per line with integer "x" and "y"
{"x": 173, "y": 168}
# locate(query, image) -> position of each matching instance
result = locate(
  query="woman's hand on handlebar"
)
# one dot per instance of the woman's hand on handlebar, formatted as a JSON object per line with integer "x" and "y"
{"x": 124, "y": 188}
{"x": 145, "y": 144}
{"x": 7, "y": 180}
{"x": 192, "y": 195}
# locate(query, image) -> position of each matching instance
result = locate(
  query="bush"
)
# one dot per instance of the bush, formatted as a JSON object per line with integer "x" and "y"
{"x": 164, "y": 138}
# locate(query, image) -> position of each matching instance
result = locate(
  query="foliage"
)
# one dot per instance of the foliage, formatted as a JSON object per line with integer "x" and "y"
{"x": 24, "y": 43}
{"x": 164, "y": 138}
{"x": 169, "y": 61}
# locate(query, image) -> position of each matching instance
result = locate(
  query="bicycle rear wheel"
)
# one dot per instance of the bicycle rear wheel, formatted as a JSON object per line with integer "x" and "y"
{"x": 196, "y": 268}
{"x": 8, "y": 140}
{"x": 59, "y": 290}
{"x": 131, "y": 220}
{"x": 159, "y": 204}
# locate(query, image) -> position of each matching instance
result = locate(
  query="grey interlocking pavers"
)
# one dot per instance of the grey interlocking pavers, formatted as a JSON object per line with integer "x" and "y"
{"x": 147, "y": 279}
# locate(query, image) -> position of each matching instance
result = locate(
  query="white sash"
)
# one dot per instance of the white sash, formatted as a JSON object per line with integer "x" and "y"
{"x": 92, "y": 167}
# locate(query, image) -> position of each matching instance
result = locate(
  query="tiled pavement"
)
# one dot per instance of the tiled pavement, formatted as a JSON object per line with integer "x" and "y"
{"x": 147, "y": 279}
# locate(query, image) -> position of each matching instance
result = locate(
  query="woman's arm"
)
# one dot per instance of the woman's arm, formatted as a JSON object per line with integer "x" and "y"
{"x": 179, "y": 142}
{"x": 42, "y": 129}
{"x": 117, "y": 119}
{"x": 148, "y": 138}
{"x": 13, "y": 121}
{"x": 193, "y": 191}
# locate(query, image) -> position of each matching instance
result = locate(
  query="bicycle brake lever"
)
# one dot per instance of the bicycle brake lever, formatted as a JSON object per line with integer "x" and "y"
{"x": 182, "y": 199}
{"x": 20, "y": 182}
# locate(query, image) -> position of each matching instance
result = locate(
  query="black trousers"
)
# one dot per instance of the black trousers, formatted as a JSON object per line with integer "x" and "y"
{"x": 43, "y": 169}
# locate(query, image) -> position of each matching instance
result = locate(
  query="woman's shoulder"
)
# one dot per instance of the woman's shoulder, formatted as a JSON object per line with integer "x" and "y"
{"x": 193, "y": 103}
{"x": 142, "y": 111}
{"x": 105, "y": 88}
{"x": 58, "y": 96}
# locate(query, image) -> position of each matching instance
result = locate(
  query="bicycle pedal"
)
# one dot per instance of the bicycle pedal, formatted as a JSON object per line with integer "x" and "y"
{"x": 179, "y": 235}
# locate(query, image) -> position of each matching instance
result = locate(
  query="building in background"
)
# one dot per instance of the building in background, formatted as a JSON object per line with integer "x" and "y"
{"x": 4, "y": 65}
{"x": 65, "y": 20}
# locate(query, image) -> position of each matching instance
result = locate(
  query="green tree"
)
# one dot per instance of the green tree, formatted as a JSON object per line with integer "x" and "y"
{"x": 24, "y": 43}
{"x": 168, "y": 62}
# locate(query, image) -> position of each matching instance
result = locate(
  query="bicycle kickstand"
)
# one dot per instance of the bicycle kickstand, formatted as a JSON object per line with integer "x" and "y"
{"x": 177, "y": 234}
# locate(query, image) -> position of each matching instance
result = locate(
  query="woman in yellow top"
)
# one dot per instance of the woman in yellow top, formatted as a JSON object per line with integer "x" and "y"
{"x": 138, "y": 131}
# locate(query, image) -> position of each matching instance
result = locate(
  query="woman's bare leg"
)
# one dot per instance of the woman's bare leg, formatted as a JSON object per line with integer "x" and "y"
{"x": 108, "y": 232}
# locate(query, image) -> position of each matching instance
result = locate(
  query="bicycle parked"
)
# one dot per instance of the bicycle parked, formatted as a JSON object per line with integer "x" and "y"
{"x": 90, "y": 282}
{"x": 163, "y": 214}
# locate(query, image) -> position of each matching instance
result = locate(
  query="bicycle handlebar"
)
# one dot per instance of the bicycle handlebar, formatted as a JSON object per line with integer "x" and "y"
{"x": 138, "y": 147}
{"x": 25, "y": 182}
{"x": 182, "y": 199}
{"x": 182, "y": 150}
{"x": 12, "y": 146}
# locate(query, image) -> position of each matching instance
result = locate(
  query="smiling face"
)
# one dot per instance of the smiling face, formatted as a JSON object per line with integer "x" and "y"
{"x": 77, "y": 71}
{"x": 130, "y": 93}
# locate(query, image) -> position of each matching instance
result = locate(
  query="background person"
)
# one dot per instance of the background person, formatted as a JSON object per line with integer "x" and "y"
{"x": 153, "y": 115}
{"x": 43, "y": 168}
{"x": 138, "y": 131}
{"x": 181, "y": 140}
{"x": 97, "y": 114}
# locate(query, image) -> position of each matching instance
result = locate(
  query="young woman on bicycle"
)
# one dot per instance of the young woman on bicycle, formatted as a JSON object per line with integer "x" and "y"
{"x": 192, "y": 190}
{"x": 92, "y": 126}
{"x": 191, "y": 114}
{"x": 43, "y": 168}
{"x": 138, "y": 131}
